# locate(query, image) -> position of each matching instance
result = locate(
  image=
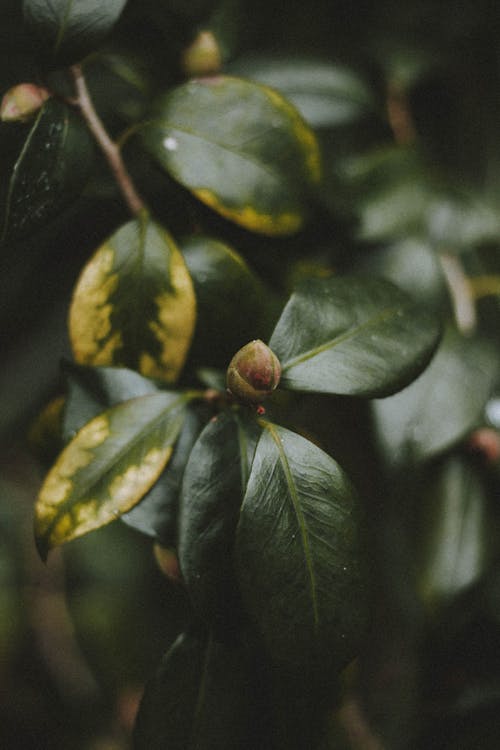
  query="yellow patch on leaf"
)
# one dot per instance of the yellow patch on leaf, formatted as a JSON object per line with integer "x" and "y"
{"x": 247, "y": 216}
{"x": 174, "y": 326}
{"x": 302, "y": 132}
{"x": 59, "y": 482}
{"x": 90, "y": 311}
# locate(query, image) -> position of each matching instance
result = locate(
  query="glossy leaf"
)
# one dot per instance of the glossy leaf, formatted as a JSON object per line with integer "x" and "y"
{"x": 444, "y": 404}
{"x": 204, "y": 696}
{"x": 230, "y": 298}
{"x": 157, "y": 513}
{"x": 134, "y": 303}
{"x": 107, "y": 468}
{"x": 69, "y": 29}
{"x": 456, "y": 540}
{"x": 212, "y": 493}
{"x": 91, "y": 390}
{"x": 298, "y": 552}
{"x": 325, "y": 94}
{"x": 352, "y": 336}
{"x": 50, "y": 169}
{"x": 241, "y": 148}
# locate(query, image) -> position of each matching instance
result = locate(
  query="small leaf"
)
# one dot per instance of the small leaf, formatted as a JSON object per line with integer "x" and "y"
{"x": 50, "y": 170}
{"x": 69, "y": 29}
{"x": 298, "y": 552}
{"x": 352, "y": 336}
{"x": 212, "y": 493}
{"x": 231, "y": 301}
{"x": 456, "y": 540}
{"x": 241, "y": 148}
{"x": 325, "y": 94}
{"x": 205, "y": 695}
{"x": 443, "y": 405}
{"x": 107, "y": 468}
{"x": 134, "y": 304}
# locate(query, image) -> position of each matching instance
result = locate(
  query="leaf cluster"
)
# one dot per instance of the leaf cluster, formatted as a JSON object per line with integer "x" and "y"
{"x": 292, "y": 199}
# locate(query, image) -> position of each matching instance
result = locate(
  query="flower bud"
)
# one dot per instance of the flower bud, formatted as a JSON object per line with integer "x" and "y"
{"x": 166, "y": 559}
{"x": 254, "y": 372}
{"x": 203, "y": 56}
{"x": 22, "y": 101}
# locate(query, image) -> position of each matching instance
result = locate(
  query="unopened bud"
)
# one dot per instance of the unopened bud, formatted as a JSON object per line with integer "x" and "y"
{"x": 22, "y": 101}
{"x": 203, "y": 56}
{"x": 254, "y": 372}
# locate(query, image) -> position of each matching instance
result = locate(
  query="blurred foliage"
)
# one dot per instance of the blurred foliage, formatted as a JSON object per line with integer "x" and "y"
{"x": 402, "y": 98}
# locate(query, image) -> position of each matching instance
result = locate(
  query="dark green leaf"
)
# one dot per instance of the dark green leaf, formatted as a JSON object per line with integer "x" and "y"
{"x": 231, "y": 301}
{"x": 68, "y": 29}
{"x": 134, "y": 303}
{"x": 108, "y": 467}
{"x": 298, "y": 552}
{"x": 456, "y": 540}
{"x": 352, "y": 336}
{"x": 205, "y": 695}
{"x": 212, "y": 493}
{"x": 443, "y": 405}
{"x": 391, "y": 192}
{"x": 50, "y": 169}
{"x": 240, "y": 148}
{"x": 324, "y": 93}
{"x": 92, "y": 390}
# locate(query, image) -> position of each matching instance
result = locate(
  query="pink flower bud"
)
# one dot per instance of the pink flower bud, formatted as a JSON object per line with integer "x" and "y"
{"x": 22, "y": 101}
{"x": 254, "y": 372}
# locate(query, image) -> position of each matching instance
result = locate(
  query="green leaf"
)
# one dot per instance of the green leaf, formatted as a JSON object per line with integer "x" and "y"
{"x": 107, "y": 468}
{"x": 241, "y": 148}
{"x": 456, "y": 541}
{"x": 298, "y": 553}
{"x": 205, "y": 695}
{"x": 157, "y": 513}
{"x": 443, "y": 405}
{"x": 231, "y": 301}
{"x": 134, "y": 303}
{"x": 69, "y": 29}
{"x": 212, "y": 493}
{"x": 352, "y": 336}
{"x": 325, "y": 94}
{"x": 50, "y": 169}
{"x": 92, "y": 390}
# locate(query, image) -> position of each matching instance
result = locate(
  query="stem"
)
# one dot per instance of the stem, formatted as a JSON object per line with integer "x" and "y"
{"x": 461, "y": 293}
{"x": 109, "y": 148}
{"x": 399, "y": 115}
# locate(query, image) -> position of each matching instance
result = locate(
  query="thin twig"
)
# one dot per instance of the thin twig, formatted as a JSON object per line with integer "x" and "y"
{"x": 399, "y": 115}
{"x": 109, "y": 148}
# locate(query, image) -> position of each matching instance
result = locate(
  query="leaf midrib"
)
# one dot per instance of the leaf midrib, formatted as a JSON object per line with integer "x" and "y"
{"x": 278, "y": 176}
{"x": 332, "y": 343}
{"x": 300, "y": 519}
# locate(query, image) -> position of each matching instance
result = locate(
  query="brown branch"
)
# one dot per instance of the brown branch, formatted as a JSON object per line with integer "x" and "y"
{"x": 109, "y": 148}
{"x": 399, "y": 115}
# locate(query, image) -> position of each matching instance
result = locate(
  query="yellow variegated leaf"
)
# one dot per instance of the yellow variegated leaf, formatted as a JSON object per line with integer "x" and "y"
{"x": 241, "y": 148}
{"x": 134, "y": 303}
{"x": 108, "y": 467}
